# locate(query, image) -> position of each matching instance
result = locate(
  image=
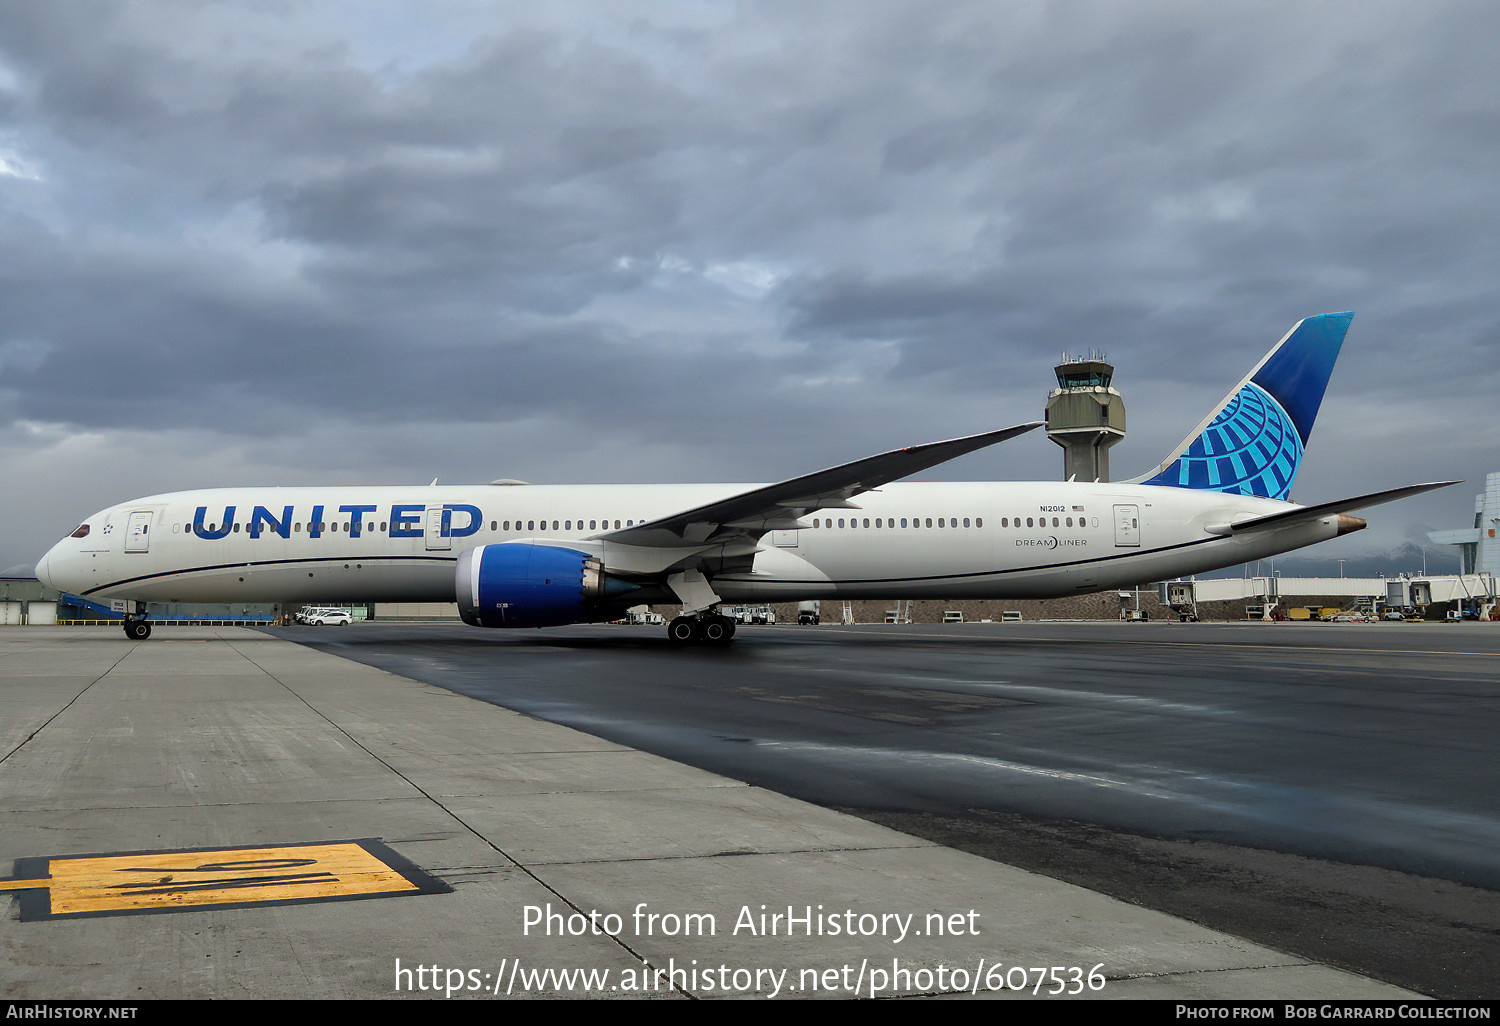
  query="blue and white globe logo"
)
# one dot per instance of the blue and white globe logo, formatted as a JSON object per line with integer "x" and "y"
{"x": 1252, "y": 447}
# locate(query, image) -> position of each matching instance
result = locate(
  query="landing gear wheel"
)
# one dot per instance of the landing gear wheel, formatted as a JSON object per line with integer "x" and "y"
{"x": 683, "y": 630}
{"x": 717, "y": 630}
{"x": 137, "y": 630}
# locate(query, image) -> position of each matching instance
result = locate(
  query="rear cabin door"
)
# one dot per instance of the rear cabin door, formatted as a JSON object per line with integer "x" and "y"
{"x": 1127, "y": 526}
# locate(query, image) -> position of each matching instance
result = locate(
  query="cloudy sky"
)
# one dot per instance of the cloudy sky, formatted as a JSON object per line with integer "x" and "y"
{"x": 381, "y": 242}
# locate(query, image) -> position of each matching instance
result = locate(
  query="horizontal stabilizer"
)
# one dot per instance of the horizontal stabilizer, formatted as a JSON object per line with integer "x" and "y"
{"x": 1303, "y": 514}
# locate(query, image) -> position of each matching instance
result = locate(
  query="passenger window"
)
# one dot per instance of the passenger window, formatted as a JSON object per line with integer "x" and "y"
{"x": 929, "y": 521}
{"x": 966, "y": 521}
{"x": 1029, "y": 522}
{"x": 979, "y": 521}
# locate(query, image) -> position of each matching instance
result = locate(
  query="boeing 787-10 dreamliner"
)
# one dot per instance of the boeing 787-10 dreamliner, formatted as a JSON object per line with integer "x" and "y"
{"x": 518, "y": 555}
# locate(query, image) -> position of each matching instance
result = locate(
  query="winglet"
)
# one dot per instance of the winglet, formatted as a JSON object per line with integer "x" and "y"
{"x": 1252, "y": 443}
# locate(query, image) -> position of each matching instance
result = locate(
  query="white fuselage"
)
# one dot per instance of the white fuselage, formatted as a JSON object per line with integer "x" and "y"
{"x": 906, "y": 540}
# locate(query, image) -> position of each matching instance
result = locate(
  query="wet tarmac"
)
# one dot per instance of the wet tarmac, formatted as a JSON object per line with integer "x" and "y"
{"x": 1327, "y": 788}
{"x": 218, "y": 813}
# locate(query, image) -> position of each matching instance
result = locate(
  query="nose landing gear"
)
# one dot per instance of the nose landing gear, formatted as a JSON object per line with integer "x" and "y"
{"x": 137, "y": 628}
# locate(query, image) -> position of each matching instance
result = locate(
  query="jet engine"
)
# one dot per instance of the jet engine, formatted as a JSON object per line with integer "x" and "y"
{"x": 533, "y": 584}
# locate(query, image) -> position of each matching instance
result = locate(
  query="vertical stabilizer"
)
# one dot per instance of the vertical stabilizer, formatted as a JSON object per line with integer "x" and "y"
{"x": 1253, "y": 441}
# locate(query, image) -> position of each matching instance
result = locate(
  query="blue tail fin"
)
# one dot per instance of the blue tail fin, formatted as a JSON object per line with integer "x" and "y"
{"x": 1253, "y": 442}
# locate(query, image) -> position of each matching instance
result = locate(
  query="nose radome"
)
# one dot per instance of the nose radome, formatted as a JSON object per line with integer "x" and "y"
{"x": 42, "y": 569}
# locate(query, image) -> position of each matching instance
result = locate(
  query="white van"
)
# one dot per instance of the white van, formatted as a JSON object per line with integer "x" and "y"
{"x": 321, "y": 616}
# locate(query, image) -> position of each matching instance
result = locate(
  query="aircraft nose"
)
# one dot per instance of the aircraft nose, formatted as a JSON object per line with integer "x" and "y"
{"x": 44, "y": 570}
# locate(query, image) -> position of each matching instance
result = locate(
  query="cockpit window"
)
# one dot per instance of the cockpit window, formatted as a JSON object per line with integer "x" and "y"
{"x": 82, "y": 532}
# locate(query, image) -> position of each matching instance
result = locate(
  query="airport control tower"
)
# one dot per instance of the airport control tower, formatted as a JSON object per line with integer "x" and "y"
{"x": 1085, "y": 416}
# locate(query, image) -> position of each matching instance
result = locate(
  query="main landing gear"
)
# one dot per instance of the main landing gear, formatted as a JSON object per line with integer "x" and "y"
{"x": 137, "y": 628}
{"x": 705, "y": 628}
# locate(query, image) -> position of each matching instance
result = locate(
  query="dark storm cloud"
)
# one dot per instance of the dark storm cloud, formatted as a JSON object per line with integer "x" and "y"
{"x": 731, "y": 237}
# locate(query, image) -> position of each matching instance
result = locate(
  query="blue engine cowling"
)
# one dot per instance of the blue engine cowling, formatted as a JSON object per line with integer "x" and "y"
{"x": 530, "y": 584}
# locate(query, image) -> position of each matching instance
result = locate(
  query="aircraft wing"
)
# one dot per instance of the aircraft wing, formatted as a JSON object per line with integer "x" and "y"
{"x": 777, "y": 506}
{"x": 1323, "y": 509}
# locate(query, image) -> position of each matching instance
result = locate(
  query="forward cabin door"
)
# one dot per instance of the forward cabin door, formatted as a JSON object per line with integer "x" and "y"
{"x": 138, "y": 532}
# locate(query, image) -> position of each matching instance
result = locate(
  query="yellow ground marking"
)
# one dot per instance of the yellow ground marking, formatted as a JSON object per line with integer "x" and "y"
{"x": 169, "y": 881}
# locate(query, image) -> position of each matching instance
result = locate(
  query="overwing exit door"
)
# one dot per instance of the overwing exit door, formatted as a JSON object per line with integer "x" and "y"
{"x": 438, "y": 536}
